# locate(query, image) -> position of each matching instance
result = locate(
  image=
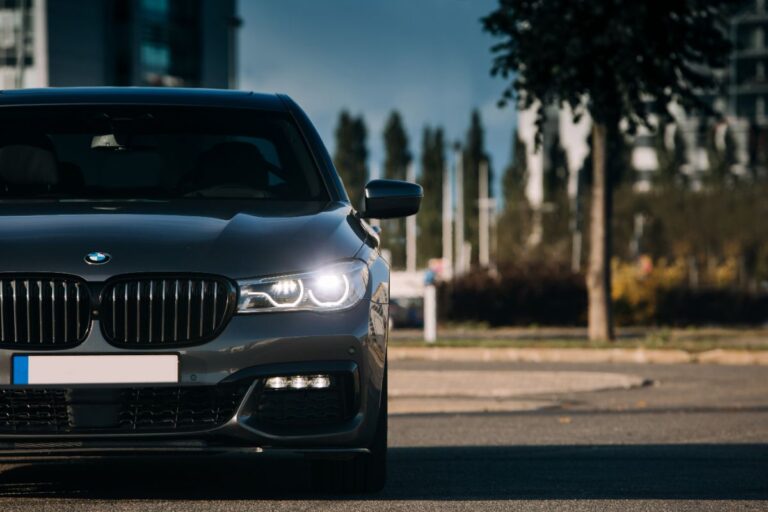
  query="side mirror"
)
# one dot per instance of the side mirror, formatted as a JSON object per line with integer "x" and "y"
{"x": 389, "y": 199}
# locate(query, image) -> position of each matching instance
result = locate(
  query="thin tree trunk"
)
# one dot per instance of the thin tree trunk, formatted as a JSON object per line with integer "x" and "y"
{"x": 599, "y": 272}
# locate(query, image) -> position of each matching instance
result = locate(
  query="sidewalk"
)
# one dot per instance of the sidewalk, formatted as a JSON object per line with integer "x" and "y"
{"x": 464, "y": 391}
{"x": 578, "y": 355}
{"x": 503, "y": 384}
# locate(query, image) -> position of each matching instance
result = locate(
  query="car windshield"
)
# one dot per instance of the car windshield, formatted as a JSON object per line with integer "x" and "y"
{"x": 154, "y": 153}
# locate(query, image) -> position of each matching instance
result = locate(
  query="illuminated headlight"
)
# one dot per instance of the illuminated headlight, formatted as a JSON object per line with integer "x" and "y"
{"x": 331, "y": 288}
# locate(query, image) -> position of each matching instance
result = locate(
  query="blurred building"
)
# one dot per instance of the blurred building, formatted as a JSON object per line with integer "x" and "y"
{"x": 748, "y": 88}
{"x": 117, "y": 42}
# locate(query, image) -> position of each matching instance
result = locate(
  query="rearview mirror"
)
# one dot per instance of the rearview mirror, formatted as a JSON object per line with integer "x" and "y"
{"x": 389, "y": 199}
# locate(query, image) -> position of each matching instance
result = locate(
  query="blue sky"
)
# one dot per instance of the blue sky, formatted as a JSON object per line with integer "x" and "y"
{"x": 427, "y": 58}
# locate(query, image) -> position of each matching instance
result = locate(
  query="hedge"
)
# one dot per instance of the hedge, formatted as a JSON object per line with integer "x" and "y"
{"x": 547, "y": 295}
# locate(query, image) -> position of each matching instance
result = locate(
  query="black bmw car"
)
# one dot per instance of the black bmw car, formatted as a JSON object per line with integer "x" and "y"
{"x": 181, "y": 271}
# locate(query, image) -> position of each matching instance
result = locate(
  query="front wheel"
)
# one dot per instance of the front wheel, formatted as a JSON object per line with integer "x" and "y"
{"x": 365, "y": 473}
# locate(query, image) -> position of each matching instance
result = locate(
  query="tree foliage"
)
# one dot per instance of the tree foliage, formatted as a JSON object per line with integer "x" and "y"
{"x": 515, "y": 221}
{"x": 430, "y": 215}
{"x": 708, "y": 230}
{"x": 613, "y": 59}
{"x": 556, "y": 171}
{"x": 515, "y": 179}
{"x": 757, "y": 151}
{"x": 720, "y": 159}
{"x": 671, "y": 161}
{"x": 618, "y": 159}
{"x": 397, "y": 158}
{"x": 351, "y": 155}
{"x": 474, "y": 155}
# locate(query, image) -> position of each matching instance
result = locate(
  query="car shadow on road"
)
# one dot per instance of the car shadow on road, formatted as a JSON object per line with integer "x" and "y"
{"x": 695, "y": 471}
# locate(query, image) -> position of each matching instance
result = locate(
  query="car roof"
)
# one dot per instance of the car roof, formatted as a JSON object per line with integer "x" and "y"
{"x": 171, "y": 96}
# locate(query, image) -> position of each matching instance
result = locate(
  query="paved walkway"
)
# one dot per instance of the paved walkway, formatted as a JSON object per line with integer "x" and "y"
{"x": 429, "y": 391}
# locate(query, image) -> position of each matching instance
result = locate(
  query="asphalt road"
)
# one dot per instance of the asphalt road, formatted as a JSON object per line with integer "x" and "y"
{"x": 696, "y": 439}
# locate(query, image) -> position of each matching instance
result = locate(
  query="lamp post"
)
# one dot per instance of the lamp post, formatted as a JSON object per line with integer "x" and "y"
{"x": 460, "y": 266}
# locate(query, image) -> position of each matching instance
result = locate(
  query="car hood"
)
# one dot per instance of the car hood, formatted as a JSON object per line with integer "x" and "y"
{"x": 232, "y": 238}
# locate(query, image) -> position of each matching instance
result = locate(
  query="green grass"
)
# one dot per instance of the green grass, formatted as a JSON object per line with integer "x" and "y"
{"x": 690, "y": 341}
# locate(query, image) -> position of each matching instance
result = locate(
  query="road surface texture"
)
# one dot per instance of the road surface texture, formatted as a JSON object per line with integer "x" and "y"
{"x": 692, "y": 437}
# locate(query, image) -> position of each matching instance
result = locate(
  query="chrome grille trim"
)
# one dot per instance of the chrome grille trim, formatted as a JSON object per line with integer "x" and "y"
{"x": 161, "y": 311}
{"x": 53, "y": 310}
{"x": 2, "y": 316}
{"x": 29, "y": 337}
{"x": 77, "y": 300}
{"x": 15, "y": 325}
{"x": 176, "y": 313}
{"x": 39, "y": 311}
{"x": 66, "y": 323}
{"x": 40, "y": 298}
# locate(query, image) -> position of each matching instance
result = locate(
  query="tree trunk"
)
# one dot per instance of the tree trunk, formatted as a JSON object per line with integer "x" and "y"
{"x": 599, "y": 272}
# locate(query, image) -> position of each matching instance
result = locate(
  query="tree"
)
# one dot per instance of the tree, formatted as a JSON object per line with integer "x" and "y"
{"x": 555, "y": 214}
{"x": 515, "y": 179}
{"x": 618, "y": 158}
{"x": 473, "y": 155}
{"x": 757, "y": 149}
{"x": 430, "y": 215}
{"x": 516, "y": 215}
{"x": 351, "y": 155}
{"x": 616, "y": 60}
{"x": 671, "y": 160}
{"x": 721, "y": 160}
{"x": 556, "y": 172}
{"x": 396, "y": 161}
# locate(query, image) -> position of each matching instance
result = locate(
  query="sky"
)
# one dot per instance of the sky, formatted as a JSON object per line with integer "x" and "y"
{"x": 429, "y": 59}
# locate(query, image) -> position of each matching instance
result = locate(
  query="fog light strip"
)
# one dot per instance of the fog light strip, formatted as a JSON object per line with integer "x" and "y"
{"x": 299, "y": 382}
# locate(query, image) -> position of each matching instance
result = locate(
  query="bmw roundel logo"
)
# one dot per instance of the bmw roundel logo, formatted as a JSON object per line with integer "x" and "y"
{"x": 97, "y": 258}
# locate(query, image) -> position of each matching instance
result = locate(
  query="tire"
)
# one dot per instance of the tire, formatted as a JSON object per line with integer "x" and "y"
{"x": 365, "y": 473}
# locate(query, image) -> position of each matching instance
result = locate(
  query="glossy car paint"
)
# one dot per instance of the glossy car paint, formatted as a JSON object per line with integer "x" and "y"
{"x": 232, "y": 238}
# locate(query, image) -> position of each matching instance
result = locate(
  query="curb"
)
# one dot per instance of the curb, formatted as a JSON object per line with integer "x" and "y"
{"x": 578, "y": 355}
{"x": 733, "y": 357}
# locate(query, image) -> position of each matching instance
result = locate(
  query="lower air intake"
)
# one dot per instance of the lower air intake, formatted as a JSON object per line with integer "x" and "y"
{"x": 118, "y": 410}
{"x": 301, "y": 409}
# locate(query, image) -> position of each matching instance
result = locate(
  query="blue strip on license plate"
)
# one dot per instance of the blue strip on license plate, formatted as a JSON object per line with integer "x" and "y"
{"x": 21, "y": 369}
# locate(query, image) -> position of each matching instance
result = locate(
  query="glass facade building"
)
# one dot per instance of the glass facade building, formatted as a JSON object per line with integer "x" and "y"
{"x": 17, "y": 41}
{"x": 187, "y": 43}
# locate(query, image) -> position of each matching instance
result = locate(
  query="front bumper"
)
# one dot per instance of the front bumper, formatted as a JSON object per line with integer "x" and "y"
{"x": 252, "y": 347}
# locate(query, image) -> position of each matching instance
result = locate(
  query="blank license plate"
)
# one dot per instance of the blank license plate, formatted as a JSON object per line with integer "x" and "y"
{"x": 95, "y": 369}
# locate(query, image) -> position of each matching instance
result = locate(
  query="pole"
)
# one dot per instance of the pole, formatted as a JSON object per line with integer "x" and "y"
{"x": 410, "y": 230}
{"x": 484, "y": 256}
{"x": 447, "y": 222}
{"x": 430, "y": 313}
{"x": 576, "y": 236}
{"x": 576, "y": 252}
{"x": 460, "y": 263}
{"x": 494, "y": 252}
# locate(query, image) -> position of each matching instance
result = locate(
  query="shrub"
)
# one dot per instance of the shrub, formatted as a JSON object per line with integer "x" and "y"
{"x": 518, "y": 295}
{"x": 636, "y": 288}
{"x": 643, "y": 294}
{"x": 711, "y": 306}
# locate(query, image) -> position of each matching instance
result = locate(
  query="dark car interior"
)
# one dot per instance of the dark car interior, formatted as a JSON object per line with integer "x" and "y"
{"x": 157, "y": 155}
